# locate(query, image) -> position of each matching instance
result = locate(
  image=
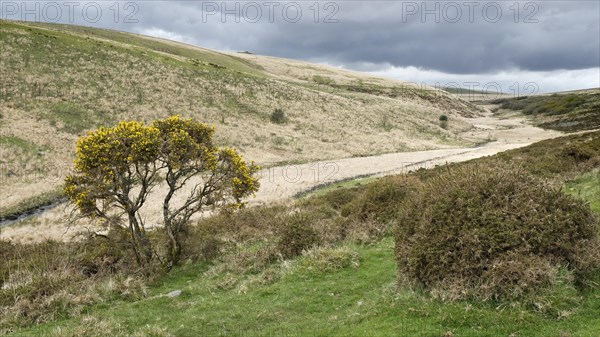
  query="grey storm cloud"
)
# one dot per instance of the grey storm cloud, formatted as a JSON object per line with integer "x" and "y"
{"x": 451, "y": 37}
{"x": 470, "y": 37}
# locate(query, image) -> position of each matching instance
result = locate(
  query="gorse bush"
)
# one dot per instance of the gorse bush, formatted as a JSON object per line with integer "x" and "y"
{"x": 492, "y": 233}
{"x": 337, "y": 198}
{"x": 380, "y": 199}
{"x": 563, "y": 112}
{"x": 361, "y": 214}
{"x": 111, "y": 162}
{"x": 296, "y": 236}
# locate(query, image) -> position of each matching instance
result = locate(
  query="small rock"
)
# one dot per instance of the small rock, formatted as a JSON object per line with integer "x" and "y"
{"x": 174, "y": 293}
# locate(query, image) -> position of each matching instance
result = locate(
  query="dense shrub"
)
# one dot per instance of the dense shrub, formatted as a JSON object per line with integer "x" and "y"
{"x": 563, "y": 157}
{"x": 361, "y": 214}
{"x": 514, "y": 274}
{"x": 493, "y": 231}
{"x": 380, "y": 200}
{"x": 278, "y": 116}
{"x": 216, "y": 235}
{"x": 105, "y": 253}
{"x": 337, "y": 198}
{"x": 297, "y": 235}
{"x": 578, "y": 153}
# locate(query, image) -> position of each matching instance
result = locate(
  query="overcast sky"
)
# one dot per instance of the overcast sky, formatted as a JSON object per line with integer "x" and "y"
{"x": 548, "y": 45}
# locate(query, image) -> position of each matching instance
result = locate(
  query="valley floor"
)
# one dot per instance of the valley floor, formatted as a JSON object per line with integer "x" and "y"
{"x": 503, "y": 132}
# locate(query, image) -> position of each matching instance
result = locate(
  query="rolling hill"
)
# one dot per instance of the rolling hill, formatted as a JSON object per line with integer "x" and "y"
{"x": 57, "y": 81}
{"x": 569, "y": 111}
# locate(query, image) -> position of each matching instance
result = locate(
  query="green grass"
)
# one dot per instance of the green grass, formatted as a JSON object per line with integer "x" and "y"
{"x": 72, "y": 117}
{"x": 12, "y": 141}
{"x": 351, "y": 183}
{"x": 359, "y": 301}
{"x": 160, "y": 46}
{"x": 587, "y": 187}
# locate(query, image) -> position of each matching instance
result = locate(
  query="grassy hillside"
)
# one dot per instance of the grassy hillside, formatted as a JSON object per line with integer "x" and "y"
{"x": 238, "y": 282}
{"x": 60, "y": 80}
{"x": 568, "y": 111}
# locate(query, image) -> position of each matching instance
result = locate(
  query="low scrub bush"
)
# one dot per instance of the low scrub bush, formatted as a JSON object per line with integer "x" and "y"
{"x": 363, "y": 214}
{"x": 337, "y": 198}
{"x": 51, "y": 280}
{"x": 297, "y": 235}
{"x": 579, "y": 153}
{"x": 443, "y": 121}
{"x": 380, "y": 200}
{"x": 104, "y": 253}
{"x": 557, "y": 160}
{"x": 493, "y": 233}
{"x": 216, "y": 235}
{"x": 278, "y": 117}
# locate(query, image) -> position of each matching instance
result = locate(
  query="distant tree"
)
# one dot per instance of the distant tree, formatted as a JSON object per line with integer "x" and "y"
{"x": 117, "y": 168}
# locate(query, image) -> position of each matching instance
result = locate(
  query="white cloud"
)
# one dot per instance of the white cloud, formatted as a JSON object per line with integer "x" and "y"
{"x": 515, "y": 82}
{"x": 163, "y": 34}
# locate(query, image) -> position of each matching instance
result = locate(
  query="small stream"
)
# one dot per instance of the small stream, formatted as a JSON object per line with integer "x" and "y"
{"x": 15, "y": 218}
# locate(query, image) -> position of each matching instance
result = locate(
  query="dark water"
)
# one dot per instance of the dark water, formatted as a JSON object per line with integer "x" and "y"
{"x": 12, "y": 219}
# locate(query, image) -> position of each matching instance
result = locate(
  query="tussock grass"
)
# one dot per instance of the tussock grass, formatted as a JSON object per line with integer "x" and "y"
{"x": 326, "y": 260}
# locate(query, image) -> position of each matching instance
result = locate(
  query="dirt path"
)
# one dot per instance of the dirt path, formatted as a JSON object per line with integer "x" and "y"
{"x": 283, "y": 182}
